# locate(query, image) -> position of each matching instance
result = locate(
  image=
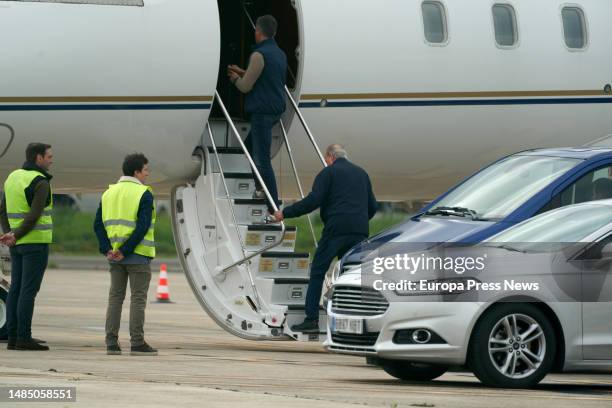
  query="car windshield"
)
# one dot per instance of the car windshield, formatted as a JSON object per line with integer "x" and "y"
{"x": 501, "y": 188}
{"x": 568, "y": 224}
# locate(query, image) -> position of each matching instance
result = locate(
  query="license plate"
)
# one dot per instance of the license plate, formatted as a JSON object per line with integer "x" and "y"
{"x": 344, "y": 325}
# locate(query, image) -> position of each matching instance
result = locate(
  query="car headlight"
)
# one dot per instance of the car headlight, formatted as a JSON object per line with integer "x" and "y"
{"x": 335, "y": 272}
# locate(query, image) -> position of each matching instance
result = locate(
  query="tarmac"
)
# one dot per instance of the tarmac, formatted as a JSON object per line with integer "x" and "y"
{"x": 200, "y": 365}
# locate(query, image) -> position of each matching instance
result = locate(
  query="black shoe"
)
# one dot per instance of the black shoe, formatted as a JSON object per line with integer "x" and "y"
{"x": 11, "y": 343}
{"x": 30, "y": 346}
{"x": 34, "y": 339}
{"x": 144, "y": 350}
{"x": 309, "y": 326}
{"x": 114, "y": 350}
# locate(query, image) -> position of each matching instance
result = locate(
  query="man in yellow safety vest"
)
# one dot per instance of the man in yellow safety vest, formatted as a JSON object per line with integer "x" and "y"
{"x": 25, "y": 215}
{"x": 124, "y": 225}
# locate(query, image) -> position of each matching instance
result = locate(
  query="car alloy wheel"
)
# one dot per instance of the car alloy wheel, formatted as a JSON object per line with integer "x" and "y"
{"x": 513, "y": 345}
{"x": 517, "y": 346}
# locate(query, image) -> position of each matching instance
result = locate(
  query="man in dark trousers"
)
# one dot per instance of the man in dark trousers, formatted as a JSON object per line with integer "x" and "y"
{"x": 25, "y": 214}
{"x": 344, "y": 193}
{"x": 264, "y": 85}
{"x": 124, "y": 225}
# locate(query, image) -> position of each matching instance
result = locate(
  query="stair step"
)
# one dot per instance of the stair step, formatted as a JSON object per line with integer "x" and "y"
{"x": 239, "y": 185}
{"x": 240, "y": 176}
{"x": 295, "y": 315}
{"x": 252, "y": 201}
{"x": 284, "y": 265}
{"x": 291, "y": 281}
{"x": 268, "y": 228}
{"x": 257, "y": 237}
{"x": 232, "y": 160}
{"x": 289, "y": 292}
{"x": 250, "y": 212}
{"x": 301, "y": 308}
{"x": 223, "y": 134}
{"x": 226, "y": 150}
{"x": 285, "y": 255}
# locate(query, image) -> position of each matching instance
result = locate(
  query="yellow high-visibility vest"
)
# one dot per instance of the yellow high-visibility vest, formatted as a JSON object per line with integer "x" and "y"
{"x": 120, "y": 212}
{"x": 17, "y": 207}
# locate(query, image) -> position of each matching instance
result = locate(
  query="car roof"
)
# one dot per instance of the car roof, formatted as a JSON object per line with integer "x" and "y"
{"x": 607, "y": 203}
{"x": 582, "y": 153}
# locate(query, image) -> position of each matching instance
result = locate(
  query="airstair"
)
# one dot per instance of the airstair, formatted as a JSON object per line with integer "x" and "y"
{"x": 245, "y": 272}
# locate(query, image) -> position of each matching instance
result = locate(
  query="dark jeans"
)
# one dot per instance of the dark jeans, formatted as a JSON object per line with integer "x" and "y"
{"x": 28, "y": 264}
{"x": 329, "y": 248}
{"x": 259, "y": 142}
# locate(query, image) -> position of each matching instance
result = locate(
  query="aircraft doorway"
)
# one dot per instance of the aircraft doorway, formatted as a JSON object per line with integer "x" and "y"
{"x": 237, "y": 40}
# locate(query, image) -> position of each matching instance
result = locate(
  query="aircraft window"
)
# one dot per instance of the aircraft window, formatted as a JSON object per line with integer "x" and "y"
{"x": 102, "y": 2}
{"x": 434, "y": 21}
{"x": 504, "y": 21}
{"x": 574, "y": 27}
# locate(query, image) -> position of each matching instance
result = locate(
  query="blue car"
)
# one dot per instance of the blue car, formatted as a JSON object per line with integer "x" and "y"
{"x": 503, "y": 194}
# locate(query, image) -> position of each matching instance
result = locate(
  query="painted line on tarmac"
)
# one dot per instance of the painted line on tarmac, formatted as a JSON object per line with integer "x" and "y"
{"x": 472, "y": 393}
{"x": 403, "y": 391}
{"x": 420, "y": 392}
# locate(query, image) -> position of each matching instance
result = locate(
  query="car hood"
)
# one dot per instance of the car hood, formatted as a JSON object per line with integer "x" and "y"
{"x": 422, "y": 233}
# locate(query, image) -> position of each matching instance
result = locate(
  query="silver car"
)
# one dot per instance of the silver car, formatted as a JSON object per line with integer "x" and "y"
{"x": 511, "y": 339}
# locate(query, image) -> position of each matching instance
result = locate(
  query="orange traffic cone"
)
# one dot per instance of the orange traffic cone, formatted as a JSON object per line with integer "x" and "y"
{"x": 163, "y": 294}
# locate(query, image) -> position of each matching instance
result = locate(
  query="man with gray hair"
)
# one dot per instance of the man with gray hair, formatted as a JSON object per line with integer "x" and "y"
{"x": 343, "y": 192}
{"x": 264, "y": 85}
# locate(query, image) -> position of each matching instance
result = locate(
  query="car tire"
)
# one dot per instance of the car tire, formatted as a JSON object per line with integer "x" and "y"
{"x": 411, "y": 371}
{"x": 3, "y": 330}
{"x": 372, "y": 361}
{"x": 500, "y": 357}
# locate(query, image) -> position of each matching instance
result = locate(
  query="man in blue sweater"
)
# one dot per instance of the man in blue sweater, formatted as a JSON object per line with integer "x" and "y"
{"x": 343, "y": 192}
{"x": 263, "y": 82}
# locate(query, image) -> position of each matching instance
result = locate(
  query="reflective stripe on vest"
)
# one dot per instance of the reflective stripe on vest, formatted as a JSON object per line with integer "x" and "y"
{"x": 17, "y": 207}
{"x": 120, "y": 205}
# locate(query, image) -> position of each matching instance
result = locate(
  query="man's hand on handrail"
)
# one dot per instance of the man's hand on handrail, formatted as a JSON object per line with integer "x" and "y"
{"x": 278, "y": 216}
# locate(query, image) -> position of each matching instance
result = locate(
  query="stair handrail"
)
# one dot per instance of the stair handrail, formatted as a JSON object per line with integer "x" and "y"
{"x": 297, "y": 179}
{"x": 231, "y": 205}
{"x": 305, "y": 126}
{"x": 252, "y": 255}
{"x": 225, "y": 188}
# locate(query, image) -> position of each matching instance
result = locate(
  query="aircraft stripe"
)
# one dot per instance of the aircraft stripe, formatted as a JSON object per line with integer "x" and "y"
{"x": 93, "y": 103}
{"x": 106, "y": 107}
{"x": 438, "y": 95}
{"x": 456, "y": 102}
{"x": 99, "y": 99}
{"x": 503, "y": 98}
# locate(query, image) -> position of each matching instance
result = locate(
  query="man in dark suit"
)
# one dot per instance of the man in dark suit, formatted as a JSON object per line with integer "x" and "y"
{"x": 343, "y": 191}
